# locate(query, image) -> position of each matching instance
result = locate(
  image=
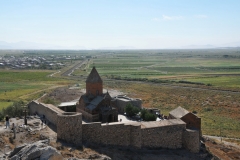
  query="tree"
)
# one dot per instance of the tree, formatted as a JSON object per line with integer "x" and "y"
{"x": 150, "y": 117}
{"x": 131, "y": 110}
{"x": 147, "y": 116}
{"x": 14, "y": 110}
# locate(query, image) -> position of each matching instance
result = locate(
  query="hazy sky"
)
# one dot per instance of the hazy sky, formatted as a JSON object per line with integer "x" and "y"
{"x": 113, "y": 23}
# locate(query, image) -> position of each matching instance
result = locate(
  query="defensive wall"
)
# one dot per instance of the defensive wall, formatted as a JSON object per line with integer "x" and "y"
{"x": 50, "y": 111}
{"x": 69, "y": 127}
{"x": 170, "y": 134}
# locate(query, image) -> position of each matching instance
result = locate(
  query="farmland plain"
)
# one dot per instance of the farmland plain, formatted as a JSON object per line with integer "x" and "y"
{"x": 204, "y": 81}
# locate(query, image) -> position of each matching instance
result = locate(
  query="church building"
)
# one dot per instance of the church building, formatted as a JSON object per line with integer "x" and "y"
{"x": 95, "y": 105}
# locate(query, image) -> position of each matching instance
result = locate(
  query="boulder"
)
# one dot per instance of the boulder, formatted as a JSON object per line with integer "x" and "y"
{"x": 16, "y": 150}
{"x": 38, "y": 150}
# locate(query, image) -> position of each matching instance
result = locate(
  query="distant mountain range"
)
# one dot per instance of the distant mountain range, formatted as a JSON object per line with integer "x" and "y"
{"x": 32, "y": 45}
{"x": 208, "y": 46}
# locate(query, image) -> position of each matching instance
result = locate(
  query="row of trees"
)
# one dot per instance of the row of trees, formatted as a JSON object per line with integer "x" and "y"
{"x": 155, "y": 80}
{"x": 132, "y": 111}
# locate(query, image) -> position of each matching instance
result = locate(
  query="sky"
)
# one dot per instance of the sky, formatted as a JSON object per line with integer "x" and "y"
{"x": 119, "y": 24}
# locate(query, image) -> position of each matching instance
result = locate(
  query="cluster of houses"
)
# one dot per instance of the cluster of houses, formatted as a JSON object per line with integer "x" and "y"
{"x": 34, "y": 61}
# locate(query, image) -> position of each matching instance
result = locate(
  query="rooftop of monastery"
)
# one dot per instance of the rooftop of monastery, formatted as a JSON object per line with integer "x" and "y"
{"x": 179, "y": 112}
{"x": 94, "y": 77}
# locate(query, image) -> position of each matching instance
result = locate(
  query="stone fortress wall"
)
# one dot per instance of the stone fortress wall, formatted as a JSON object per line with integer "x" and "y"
{"x": 170, "y": 134}
{"x": 163, "y": 134}
{"x": 190, "y": 141}
{"x": 50, "y": 111}
{"x": 68, "y": 127}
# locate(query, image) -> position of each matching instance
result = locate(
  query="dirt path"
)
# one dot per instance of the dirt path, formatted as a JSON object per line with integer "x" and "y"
{"x": 52, "y": 87}
{"x": 71, "y": 70}
{"x": 51, "y": 75}
{"x": 222, "y": 139}
{"x": 221, "y": 150}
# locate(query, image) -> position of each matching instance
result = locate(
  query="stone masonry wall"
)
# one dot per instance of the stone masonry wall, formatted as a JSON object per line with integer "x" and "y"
{"x": 92, "y": 132}
{"x": 69, "y": 127}
{"x": 48, "y": 110}
{"x": 111, "y": 134}
{"x": 191, "y": 140}
{"x": 33, "y": 107}
{"x": 163, "y": 137}
{"x": 117, "y": 134}
{"x": 169, "y": 136}
{"x": 164, "y": 134}
{"x": 135, "y": 135}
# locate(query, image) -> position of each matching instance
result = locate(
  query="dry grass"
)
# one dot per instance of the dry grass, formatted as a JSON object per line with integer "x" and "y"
{"x": 220, "y": 111}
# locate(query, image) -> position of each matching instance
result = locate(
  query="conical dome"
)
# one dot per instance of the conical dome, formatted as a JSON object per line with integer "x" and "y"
{"x": 94, "y": 77}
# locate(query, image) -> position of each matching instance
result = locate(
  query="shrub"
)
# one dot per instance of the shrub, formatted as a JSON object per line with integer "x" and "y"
{"x": 1, "y": 116}
{"x": 147, "y": 116}
{"x": 131, "y": 110}
{"x": 207, "y": 109}
{"x": 143, "y": 112}
{"x": 14, "y": 110}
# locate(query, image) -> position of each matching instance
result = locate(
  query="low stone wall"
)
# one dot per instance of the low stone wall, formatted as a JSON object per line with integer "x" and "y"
{"x": 191, "y": 140}
{"x": 48, "y": 110}
{"x": 69, "y": 127}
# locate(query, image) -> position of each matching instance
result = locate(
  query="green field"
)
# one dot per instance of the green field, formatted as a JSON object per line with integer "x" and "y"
{"x": 25, "y": 85}
{"x": 219, "y": 68}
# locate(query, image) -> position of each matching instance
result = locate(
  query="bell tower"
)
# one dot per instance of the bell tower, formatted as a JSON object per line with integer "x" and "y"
{"x": 94, "y": 83}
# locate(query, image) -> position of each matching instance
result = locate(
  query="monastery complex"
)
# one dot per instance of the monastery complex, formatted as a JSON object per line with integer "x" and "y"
{"x": 96, "y": 121}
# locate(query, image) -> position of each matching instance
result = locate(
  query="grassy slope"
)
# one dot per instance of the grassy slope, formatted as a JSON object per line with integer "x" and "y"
{"x": 15, "y": 84}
